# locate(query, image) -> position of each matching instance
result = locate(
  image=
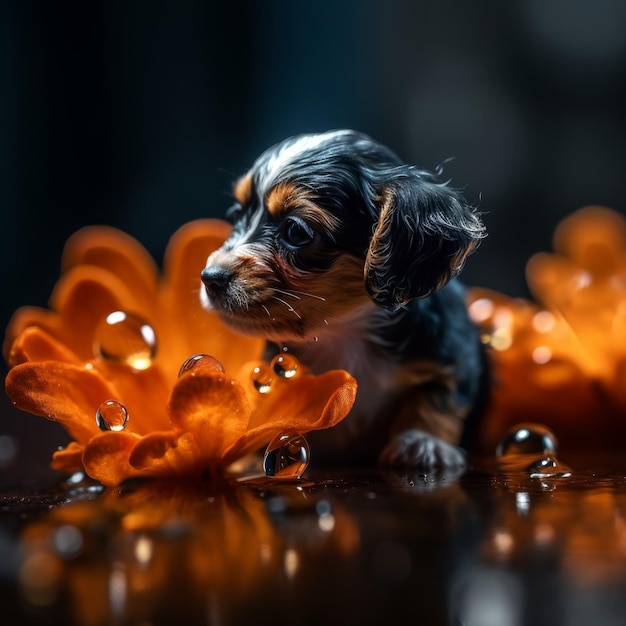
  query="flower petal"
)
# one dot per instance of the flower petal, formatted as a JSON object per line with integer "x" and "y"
{"x": 542, "y": 366}
{"x": 35, "y": 344}
{"x": 213, "y": 407}
{"x": 69, "y": 459}
{"x": 168, "y": 453}
{"x": 559, "y": 396}
{"x": 106, "y": 457}
{"x": 186, "y": 255}
{"x": 61, "y": 392}
{"x": 299, "y": 406}
{"x": 203, "y": 331}
{"x": 118, "y": 253}
{"x": 585, "y": 306}
{"x": 21, "y": 319}
{"x": 86, "y": 294}
{"x": 144, "y": 393}
{"x": 82, "y": 298}
{"x": 593, "y": 238}
{"x": 554, "y": 280}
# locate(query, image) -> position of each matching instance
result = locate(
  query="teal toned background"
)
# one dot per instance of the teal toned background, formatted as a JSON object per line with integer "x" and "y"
{"x": 141, "y": 114}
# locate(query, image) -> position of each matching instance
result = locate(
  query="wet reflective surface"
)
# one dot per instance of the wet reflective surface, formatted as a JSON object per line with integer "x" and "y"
{"x": 496, "y": 546}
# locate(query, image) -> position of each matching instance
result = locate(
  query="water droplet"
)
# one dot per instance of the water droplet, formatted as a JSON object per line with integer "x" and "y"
{"x": 528, "y": 438}
{"x": 286, "y": 456}
{"x": 76, "y": 478}
{"x": 125, "y": 338}
{"x": 530, "y": 450}
{"x": 204, "y": 362}
{"x": 262, "y": 378}
{"x": 285, "y": 365}
{"x": 112, "y": 415}
{"x": 548, "y": 467}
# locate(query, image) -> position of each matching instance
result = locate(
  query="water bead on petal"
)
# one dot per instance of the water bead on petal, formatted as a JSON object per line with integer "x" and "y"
{"x": 286, "y": 456}
{"x": 124, "y": 337}
{"x": 201, "y": 362}
{"x": 262, "y": 378}
{"x": 112, "y": 415}
{"x": 285, "y": 365}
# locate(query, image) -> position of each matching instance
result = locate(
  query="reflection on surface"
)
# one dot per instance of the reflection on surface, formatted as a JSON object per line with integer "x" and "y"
{"x": 492, "y": 547}
{"x": 155, "y": 552}
{"x": 552, "y": 550}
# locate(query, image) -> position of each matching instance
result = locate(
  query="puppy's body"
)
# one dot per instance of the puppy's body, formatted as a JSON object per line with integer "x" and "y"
{"x": 417, "y": 370}
{"x": 345, "y": 256}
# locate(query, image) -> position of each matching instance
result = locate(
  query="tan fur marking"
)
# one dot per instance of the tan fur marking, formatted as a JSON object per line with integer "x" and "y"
{"x": 420, "y": 372}
{"x": 289, "y": 198}
{"x": 424, "y": 389}
{"x": 341, "y": 285}
{"x": 421, "y": 408}
{"x": 378, "y": 253}
{"x": 315, "y": 215}
{"x": 277, "y": 198}
{"x": 458, "y": 260}
{"x": 243, "y": 189}
{"x": 333, "y": 294}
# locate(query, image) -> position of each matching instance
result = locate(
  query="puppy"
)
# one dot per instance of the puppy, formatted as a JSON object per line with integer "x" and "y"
{"x": 345, "y": 256}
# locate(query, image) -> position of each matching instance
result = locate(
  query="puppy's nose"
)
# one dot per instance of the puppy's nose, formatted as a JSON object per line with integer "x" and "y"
{"x": 215, "y": 279}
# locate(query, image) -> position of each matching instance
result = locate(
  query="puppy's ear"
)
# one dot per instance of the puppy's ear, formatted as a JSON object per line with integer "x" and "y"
{"x": 423, "y": 235}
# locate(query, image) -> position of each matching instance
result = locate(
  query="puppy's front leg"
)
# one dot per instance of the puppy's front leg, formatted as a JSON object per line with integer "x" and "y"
{"x": 425, "y": 432}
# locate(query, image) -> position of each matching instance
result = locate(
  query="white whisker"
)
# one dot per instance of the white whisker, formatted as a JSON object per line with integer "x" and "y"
{"x": 297, "y": 294}
{"x": 287, "y": 293}
{"x": 289, "y": 307}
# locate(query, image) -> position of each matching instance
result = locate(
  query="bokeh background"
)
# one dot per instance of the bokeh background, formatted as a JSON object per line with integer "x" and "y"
{"x": 140, "y": 114}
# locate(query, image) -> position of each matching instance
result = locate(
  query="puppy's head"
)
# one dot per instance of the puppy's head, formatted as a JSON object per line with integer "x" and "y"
{"x": 324, "y": 224}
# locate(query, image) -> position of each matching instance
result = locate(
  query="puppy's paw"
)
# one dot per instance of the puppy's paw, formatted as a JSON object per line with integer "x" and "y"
{"x": 418, "y": 449}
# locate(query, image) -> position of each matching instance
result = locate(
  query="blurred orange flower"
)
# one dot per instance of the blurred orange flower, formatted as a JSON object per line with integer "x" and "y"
{"x": 152, "y": 552}
{"x": 104, "y": 362}
{"x": 561, "y": 360}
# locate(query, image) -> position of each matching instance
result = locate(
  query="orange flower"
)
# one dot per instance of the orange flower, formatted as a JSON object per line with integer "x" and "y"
{"x": 117, "y": 331}
{"x": 562, "y": 360}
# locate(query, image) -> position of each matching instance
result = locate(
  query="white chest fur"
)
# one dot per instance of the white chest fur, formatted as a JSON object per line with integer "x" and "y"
{"x": 343, "y": 347}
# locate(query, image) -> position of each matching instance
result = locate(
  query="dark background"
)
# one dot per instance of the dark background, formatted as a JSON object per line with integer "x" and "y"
{"x": 141, "y": 114}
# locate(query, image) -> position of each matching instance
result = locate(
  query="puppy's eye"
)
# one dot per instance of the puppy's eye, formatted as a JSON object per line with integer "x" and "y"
{"x": 296, "y": 233}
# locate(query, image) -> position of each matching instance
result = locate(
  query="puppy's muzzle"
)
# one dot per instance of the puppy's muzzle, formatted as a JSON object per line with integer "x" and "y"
{"x": 216, "y": 280}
